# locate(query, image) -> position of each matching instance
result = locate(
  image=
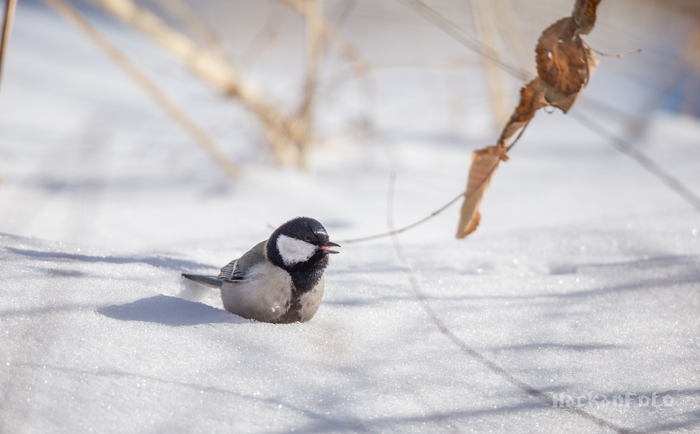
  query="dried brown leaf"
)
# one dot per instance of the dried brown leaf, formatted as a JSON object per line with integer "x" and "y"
{"x": 484, "y": 164}
{"x": 584, "y": 15}
{"x": 531, "y": 100}
{"x": 564, "y": 66}
{"x": 562, "y": 63}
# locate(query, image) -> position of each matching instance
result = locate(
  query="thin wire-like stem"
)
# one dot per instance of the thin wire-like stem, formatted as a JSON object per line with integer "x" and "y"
{"x": 520, "y": 134}
{"x": 404, "y": 229}
{"x": 197, "y": 25}
{"x": 465, "y": 39}
{"x": 646, "y": 162}
{"x": 425, "y": 219}
{"x": 617, "y": 56}
{"x": 461, "y": 344}
{"x": 434, "y": 213}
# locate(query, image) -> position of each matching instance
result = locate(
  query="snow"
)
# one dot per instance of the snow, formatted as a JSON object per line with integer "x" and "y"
{"x": 583, "y": 278}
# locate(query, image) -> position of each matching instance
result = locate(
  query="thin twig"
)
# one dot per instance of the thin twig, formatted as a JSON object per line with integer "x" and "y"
{"x": 520, "y": 134}
{"x": 74, "y": 17}
{"x": 465, "y": 39}
{"x": 10, "y": 7}
{"x": 411, "y": 226}
{"x": 466, "y": 348}
{"x": 425, "y": 219}
{"x": 495, "y": 80}
{"x": 190, "y": 17}
{"x": 345, "y": 11}
{"x": 214, "y": 69}
{"x": 468, "y": 41}
{"x": 646, "y": 162}
{"x": 618, "y": 56}
{"x": 266, "y": 35}
{"x": 443, "y": 208}
{"x": 318, "y": 29}
{"x": 313, "y": 17}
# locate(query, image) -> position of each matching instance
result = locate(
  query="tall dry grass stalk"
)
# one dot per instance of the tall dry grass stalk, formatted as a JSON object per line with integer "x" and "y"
{"x": 513, "y": 38}
{"x": 319, "y": 29}
{"x": 213, "y": 68}
{"x": 74, "y": 17}
{"x": 313, "y": 13}
{"x": 287, "y": 134}
{"x": 10, "y": 7}
{"x": 200, "y": 29}
{"x": 483, "y": 14}
{"x": 691, "y": 57}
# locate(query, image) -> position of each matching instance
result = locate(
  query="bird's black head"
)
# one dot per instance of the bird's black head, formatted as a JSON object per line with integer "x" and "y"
{"x": 301, "y": 247}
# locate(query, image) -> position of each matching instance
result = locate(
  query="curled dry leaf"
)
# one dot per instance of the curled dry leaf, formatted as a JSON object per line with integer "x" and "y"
{"x": 484, "y": 164}
{"x": 562, "y": 63}
{"x": 485, "y": 161}
{"x": 531, "y": 100}
{"x": 584, "y": 15}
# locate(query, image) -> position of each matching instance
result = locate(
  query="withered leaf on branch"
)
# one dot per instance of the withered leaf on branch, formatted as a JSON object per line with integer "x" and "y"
{"x": 564, "y": 66}
{"x": 485, "y": 161}
{"x": 562, "y": 63}
{"x": 531, "y": 100}
{"x": 584, "y": 15}
{"x": 484, "y": 164}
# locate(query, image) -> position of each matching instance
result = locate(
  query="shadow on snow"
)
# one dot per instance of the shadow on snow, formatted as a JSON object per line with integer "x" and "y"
{"x": 170, "y": 311}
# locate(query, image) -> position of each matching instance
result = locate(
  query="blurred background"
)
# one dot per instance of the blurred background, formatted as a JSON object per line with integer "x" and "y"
{"x": 116, "y": 114}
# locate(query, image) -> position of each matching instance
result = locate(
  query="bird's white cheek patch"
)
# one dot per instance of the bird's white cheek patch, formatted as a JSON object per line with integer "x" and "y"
{"x": 294, "y": 251}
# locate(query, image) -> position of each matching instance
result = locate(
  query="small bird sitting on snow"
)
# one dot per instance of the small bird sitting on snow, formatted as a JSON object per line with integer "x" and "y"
{"x": 279, "y": 280}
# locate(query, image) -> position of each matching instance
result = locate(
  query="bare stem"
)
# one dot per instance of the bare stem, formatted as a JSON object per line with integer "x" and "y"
{"x": 619, "y": 55}
{"x": 520, "y": 134}
{"x": 74, "y": 17}
{"x": 10, "y": 7}
{"x": 467, "y": 349}
{"x": 433, "y": 214}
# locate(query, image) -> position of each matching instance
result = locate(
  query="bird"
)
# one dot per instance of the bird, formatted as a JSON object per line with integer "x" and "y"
{"x": 280, "y": 280}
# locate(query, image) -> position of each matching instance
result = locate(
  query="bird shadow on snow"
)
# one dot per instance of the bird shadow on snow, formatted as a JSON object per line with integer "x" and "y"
{"x": 169, "y": 311}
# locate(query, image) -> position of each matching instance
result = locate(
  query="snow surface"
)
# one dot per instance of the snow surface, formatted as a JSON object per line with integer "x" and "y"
{"x": 584, "y": 277}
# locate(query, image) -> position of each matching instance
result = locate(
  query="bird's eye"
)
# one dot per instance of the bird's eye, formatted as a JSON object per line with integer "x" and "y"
{"x": 308, "y": 238}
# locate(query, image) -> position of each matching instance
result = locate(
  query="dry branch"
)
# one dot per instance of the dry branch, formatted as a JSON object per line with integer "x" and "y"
{"x": 318, "y": 28}
{"x": 313, "y": 14}
{"x": 73, "y": 16}
{"x": 564, "y": 66}
{"x": 189, "y": 16}
{"x": 482, "y": 11}
{"x": 210, "y": 66}
{"x": 10, "y": 7}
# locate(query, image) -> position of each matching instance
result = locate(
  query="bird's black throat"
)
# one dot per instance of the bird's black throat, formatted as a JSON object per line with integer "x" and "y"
{"x": 306, "y": 275}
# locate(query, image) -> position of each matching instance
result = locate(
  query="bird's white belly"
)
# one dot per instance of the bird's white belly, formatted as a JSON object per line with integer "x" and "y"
{"x": 264, "y": 295}
{"x": 311, "y": 300}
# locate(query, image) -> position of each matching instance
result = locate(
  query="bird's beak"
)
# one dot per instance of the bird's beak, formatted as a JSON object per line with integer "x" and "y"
{"x": 327, "y": 247}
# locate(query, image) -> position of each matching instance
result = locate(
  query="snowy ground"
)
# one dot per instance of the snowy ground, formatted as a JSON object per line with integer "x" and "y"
{"x": 583, "y": 280}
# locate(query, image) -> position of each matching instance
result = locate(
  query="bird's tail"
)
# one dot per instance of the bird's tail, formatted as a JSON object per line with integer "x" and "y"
{"x": 204, "y": 280}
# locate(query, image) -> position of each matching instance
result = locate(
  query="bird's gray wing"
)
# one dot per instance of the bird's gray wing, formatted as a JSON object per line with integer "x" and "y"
{"x": 238, "y": 268}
